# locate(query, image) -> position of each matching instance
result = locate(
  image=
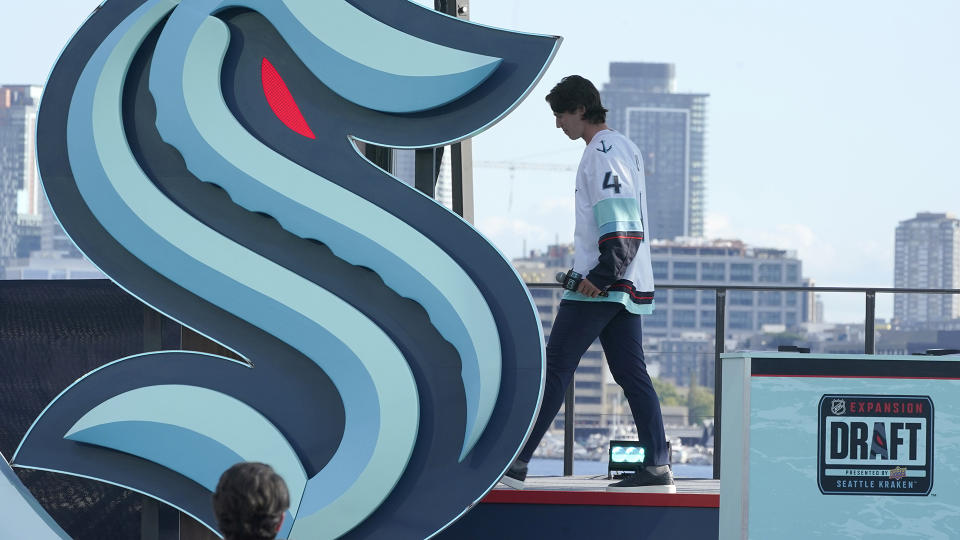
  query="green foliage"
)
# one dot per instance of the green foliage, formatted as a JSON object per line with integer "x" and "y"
{"x": 700, "y": 404}
{"x": 667, "y": 392}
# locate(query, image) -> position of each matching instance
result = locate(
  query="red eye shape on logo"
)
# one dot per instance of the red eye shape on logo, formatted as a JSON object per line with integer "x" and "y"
{"x": 281, "y": 100}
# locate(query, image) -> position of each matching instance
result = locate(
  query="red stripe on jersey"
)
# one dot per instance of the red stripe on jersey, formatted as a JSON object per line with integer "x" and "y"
{"x": 628, "y": 237}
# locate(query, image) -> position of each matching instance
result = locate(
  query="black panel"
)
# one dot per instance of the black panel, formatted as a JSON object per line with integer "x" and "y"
{"x": 827, "y": 367}
{"x": 51, "y": 334}
{"x": 565, "y": 521}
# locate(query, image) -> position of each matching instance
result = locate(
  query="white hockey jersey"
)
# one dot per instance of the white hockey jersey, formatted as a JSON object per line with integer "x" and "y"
{"x": 610, "y": 247}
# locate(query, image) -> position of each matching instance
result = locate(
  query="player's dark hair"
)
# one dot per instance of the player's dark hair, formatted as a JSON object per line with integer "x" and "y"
{"x": 250, "y": 501}
{"x": 574, "y": 91}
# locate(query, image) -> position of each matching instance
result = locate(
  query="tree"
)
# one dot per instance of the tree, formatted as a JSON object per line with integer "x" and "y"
{"x": 667, "y": 392}
{"x": 699, "y": 404}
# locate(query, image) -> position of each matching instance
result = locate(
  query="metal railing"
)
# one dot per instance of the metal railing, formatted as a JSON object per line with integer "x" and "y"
{"x": 720, "y": 291}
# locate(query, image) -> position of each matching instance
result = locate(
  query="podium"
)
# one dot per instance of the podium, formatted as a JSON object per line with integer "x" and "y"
{"x": 839, "y": 446}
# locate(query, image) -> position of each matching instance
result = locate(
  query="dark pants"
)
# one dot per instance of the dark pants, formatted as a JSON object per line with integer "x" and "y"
{"x": 576, "y": 327}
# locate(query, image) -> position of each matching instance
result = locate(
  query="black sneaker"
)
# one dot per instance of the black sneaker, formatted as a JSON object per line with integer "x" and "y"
{"x": 515, "y": 475}
{"x": 652, "y": 479}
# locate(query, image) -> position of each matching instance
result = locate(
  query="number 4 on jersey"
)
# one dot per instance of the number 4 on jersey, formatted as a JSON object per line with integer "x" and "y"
{"x": 615, "y": 184}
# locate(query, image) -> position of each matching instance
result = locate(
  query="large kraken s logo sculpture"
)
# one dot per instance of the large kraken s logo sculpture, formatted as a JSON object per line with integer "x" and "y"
{"x": 201, "y": 153}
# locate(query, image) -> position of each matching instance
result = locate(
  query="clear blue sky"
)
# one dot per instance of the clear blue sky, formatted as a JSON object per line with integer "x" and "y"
{"x": 829, "y": 121}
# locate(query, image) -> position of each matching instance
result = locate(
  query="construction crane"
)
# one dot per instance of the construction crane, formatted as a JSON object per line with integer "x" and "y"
{"x": 514, "y": 166}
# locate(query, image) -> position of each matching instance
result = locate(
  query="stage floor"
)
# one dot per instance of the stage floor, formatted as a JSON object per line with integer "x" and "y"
{"x": 592, "y": 490}
{"x": 600, "y": 483}
{"x": 578, "y": 507}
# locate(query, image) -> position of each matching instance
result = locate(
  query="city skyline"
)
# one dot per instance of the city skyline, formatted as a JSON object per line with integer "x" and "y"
{"x": 679, "y": 334}
{"x": 32, "y": 243}
{"x": 820, "y": 144}
{"x": 810, "y": 140}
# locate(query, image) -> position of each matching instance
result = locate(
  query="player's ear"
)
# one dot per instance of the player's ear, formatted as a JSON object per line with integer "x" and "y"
{"x": 581, "y": 110}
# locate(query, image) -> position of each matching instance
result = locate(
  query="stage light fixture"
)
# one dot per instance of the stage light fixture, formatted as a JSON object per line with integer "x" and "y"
{"x": 626, "y": 457}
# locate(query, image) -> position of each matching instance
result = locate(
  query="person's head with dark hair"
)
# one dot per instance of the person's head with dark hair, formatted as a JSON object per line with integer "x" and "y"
{"x": 576, "y": 105}
{"x": 574, "y": 92}
{"x": 250, "y": 502}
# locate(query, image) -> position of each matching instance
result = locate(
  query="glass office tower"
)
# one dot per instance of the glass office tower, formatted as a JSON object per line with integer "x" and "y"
{"x": 670, "y": 130}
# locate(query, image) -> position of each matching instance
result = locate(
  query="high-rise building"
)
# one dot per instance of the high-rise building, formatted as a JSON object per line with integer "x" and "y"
{"x": 404, "y": 168}
{"x": 670, "y": 130}
{"x": 404, "y": 165}
{"x": 812, "y": 304}
{"x": 19, "y": 187}
{"x": 32, "y": 243}
{"x": 29, "y": 235}
{"x": 681, "y": 330}
{"x": 927, "y": 257}
{"x": 719, "y": 263}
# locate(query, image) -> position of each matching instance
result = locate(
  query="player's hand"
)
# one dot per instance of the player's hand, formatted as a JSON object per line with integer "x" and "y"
{"x": 588, "y": 289}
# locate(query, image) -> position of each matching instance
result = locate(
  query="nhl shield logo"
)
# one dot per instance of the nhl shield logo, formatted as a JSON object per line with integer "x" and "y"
{"x": 838, "y": 406}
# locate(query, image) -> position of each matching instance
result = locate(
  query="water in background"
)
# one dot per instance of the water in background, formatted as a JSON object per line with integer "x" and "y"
{"x": 554, "y": 467}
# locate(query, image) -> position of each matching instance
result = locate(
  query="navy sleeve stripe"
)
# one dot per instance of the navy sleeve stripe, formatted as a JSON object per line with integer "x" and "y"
{"x": 617, "y": 250}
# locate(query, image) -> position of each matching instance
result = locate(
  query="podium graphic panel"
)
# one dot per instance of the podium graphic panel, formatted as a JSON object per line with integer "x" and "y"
{"x": 840, "y": 446}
